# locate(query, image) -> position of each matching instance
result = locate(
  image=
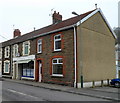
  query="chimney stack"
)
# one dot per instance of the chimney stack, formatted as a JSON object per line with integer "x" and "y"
{"x": 16, "y": 33}
{"x": 56, "y": 17}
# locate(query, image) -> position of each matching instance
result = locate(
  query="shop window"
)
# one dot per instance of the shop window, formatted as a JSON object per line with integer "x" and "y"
{"x": 28, "y": 70}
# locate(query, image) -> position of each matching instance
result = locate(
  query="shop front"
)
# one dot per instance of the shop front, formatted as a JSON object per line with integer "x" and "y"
{"x": 24, "y": 67}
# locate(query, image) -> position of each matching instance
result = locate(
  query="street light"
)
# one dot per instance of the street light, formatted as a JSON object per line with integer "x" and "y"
{"x": 74, "y": 13}
{"x": 81, "y": 64}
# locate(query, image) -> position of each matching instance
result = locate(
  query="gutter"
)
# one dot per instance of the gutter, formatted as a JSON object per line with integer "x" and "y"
{"x": 67, "y": 27}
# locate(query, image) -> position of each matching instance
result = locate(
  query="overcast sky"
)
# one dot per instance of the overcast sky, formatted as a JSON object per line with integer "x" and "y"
{"x": 27, "y": 14}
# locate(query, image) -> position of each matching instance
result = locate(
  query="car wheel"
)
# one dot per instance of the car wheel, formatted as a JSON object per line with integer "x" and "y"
{"x": 117, "y": 84}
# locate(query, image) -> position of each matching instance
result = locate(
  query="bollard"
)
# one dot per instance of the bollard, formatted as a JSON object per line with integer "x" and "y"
{"x": 93, "y": 84}
{"x": 101, "y": 83}
{"x": 107, "y": 82}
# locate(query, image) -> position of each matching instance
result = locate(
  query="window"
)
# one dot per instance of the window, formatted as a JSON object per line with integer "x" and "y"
{"x": 57, "y": 42}
{"x": 7, "y": 50}
{"x": 39, "y": 46}
{"x": 28, "y": 70}
{"x": 6, "y": 66}
{"x": 57, "y": 67}
{"x": 0, "y": 68}
{"x": 26, "y": 48}
{"x": 0, "y": 53}
{"x": 15, "y": 50}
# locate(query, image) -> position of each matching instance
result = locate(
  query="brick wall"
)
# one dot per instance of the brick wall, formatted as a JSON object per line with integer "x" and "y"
{"x": 48, "y": 53}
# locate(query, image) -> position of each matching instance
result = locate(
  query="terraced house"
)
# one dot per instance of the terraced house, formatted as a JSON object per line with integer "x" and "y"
{"x": 71, "y": 52}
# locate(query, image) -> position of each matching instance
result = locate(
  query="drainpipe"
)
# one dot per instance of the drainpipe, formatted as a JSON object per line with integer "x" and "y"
{"x": 75, "y": 57}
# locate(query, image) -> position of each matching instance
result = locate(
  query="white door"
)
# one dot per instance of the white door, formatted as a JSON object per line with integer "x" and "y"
{"x": 40, "y": 71}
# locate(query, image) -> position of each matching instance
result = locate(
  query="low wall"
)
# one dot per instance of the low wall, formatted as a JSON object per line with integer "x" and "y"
{"x": 94, "y": 84}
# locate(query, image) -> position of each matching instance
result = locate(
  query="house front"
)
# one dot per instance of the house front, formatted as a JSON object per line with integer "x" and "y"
{"x": 73, "y": 52}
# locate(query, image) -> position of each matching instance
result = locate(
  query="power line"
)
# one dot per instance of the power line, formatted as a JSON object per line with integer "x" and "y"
{"x": 3, "y": 37}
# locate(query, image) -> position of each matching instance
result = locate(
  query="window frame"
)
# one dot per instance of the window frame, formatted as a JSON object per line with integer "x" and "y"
{"x": 28, "y": 67}
{"x": 56, "y": 40}
{"x": 59, "y": 75}
{"x": 7, "y": 51}
{"x": 39, "y": 44}
{"x": 8, "y": 66}
{"x": 0, "y": 68}
{"x": 15, "y": 50}
{"x": 24, "y": 46}
{"x": 0, "y": 53}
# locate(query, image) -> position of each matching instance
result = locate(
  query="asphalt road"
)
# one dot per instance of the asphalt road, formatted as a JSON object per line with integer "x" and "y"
{"x": 19, "y": 92}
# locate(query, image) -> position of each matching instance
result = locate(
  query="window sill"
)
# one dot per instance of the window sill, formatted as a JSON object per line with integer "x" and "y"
{"x": 6, "y": 72}
{"x": 6, "y": 57}
{"x": 39, "y": 53}
{"x": 57, "y": 51}
{"x": 25, "y": 54}
{"x": 59, "y": 76}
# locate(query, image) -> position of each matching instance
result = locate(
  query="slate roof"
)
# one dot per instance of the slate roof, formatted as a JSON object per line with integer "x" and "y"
{"x": 46, "y": 29}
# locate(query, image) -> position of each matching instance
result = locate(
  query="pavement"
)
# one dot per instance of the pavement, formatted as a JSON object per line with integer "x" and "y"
{"x": 108, "y": 93}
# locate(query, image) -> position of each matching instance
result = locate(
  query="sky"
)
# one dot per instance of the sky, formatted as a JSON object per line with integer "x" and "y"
{"x": 27, "y": 14}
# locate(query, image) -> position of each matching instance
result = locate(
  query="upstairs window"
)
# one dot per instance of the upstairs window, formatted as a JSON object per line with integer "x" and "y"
{"x": 7, "y": 51}
{"x": 15, "y": 50}
{"x": 26, "y": 48}
{"x": 57, "y": 67}
{"x": 0, "y": 53}
{"x": 39, "y": 46}
{"x": 57, "y": 42}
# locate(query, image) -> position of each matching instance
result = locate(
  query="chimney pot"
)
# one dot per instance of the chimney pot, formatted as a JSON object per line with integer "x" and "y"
{"x": 16, "y": 33}
{"x": 56, "y": 17}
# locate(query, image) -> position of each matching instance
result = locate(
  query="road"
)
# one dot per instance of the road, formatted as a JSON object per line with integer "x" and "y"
{"x": 19, "y": 92}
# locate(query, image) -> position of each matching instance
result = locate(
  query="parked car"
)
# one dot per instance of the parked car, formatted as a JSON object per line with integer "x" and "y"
{"x": 115, "y": 82}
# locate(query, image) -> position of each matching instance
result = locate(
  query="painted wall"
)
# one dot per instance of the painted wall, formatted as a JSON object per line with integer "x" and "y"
{"x": 98, "y": 50}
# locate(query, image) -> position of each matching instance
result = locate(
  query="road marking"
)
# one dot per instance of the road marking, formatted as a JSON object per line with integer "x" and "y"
{"x": 21, "y": 93}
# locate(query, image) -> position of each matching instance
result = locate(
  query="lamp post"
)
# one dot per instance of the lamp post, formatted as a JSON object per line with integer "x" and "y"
{"x": 81, "y": 63}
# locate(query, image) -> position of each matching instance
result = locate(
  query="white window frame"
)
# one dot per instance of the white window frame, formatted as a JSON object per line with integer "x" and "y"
{"x": 39, "y": 44}
{"x": 0, "y": 53}
{"x": 15, "y": 48}
{"x": 7, "y": 48}
{"x": 8, "y": 66}
{"x": 24, "y": 43}
{"x": 60, "y": 75}
{"x": 0, "y": 68}
{"x": 55, "y": 40}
